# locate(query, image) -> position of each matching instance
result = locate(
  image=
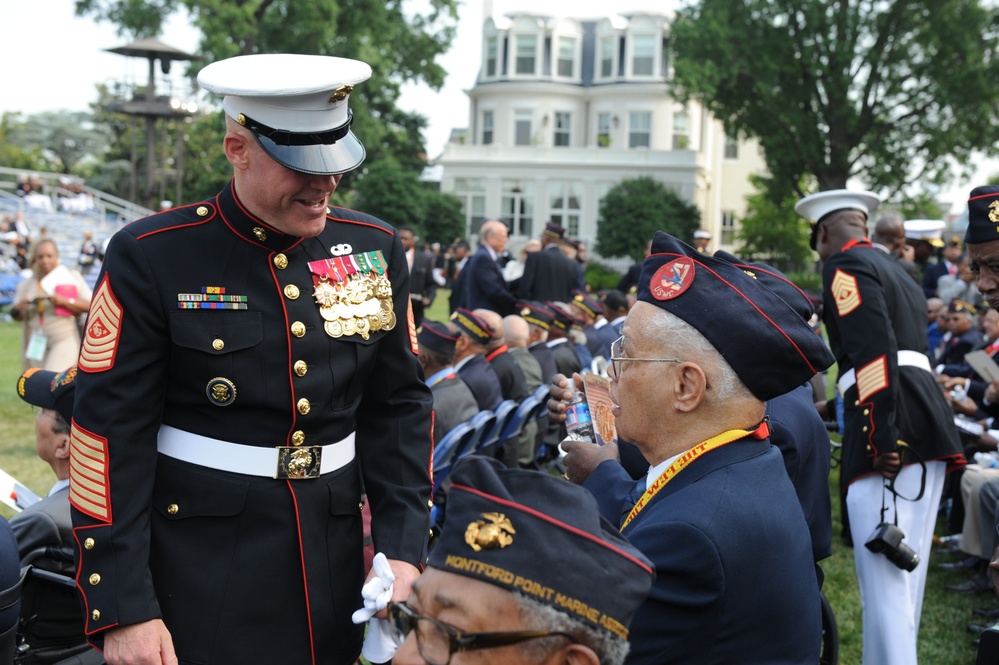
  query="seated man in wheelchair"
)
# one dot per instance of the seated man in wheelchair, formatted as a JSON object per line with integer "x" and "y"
{"x": 51, "y": 625}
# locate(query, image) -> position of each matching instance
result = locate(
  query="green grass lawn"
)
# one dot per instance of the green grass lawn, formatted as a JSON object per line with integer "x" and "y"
{"x": 943, "y": 639}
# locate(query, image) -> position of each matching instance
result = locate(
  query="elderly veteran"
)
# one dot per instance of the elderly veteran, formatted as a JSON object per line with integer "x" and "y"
{"x": 899, "y": 437}
{"x": 454, "y": 402}
{"x": 716, "y": 506}
{"x": 525, "y": 571}
{"x": 249, "y": 366}
{"x": 474, "y": 334}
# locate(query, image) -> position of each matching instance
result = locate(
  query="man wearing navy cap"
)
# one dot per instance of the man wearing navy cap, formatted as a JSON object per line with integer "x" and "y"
{"x": 539, "y": 320}
{"x": 525, "y": 571}
{"x": 470, "y": 358}
{"x": 894, "y": 416}
{"x": 549, "y": 274}
{"x": 716, "y": 504}
{"x": 454, "y": 402}
{"x": 249, "y": 365}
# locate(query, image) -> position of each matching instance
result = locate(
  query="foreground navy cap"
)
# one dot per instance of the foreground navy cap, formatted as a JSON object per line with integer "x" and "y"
{"x": 539, "y": 535}
{"x": 983, "y": 215}
{"x": 762, "y": 338}
{"x": 472, "y": 325}
{"x": 774, "y": 280}
{"x": 49, "y": 390}
{"x": 436, "y": 337}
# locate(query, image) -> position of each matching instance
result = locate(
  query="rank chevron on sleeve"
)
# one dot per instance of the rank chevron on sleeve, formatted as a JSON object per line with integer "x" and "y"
{"x": 100, "y": 343}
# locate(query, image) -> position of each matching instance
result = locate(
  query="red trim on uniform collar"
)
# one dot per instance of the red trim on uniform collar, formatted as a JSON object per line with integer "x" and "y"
{"x": 495, "y": 352}
{"x": 853, "y": 242}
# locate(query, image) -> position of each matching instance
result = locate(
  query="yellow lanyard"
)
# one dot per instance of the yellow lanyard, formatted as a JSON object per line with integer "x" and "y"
{"x": 761, "y": 431}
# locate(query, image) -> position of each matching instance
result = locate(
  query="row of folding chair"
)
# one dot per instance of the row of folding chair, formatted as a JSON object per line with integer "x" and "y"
{"x": 483, "y": 434}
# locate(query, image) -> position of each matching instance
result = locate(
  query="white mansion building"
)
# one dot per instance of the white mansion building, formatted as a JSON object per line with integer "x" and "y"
{"x": 564, "y": 108}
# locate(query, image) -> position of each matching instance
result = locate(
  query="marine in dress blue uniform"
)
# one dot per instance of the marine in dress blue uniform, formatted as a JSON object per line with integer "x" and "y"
{"x": 875, "y": 319}
{"x": 275, "y": 373}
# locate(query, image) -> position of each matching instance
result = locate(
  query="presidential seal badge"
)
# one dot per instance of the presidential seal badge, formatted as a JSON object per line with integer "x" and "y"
{"x": 494, "y": 530}
{"x": 221, "y": 391}
{"x": 672, "y": 279}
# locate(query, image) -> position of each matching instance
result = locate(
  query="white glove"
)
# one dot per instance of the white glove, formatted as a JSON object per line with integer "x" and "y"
{"x": 379, "y": 643}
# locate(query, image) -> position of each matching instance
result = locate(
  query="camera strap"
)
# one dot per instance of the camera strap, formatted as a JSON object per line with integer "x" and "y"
{"x": 889, "y": 485}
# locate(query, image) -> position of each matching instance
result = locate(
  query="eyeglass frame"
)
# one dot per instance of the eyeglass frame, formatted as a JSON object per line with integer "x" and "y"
{"x": 617, "y": 347}
{"x": 456, "y": 640}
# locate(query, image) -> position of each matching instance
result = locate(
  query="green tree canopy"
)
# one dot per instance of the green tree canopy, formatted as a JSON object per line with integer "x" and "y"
{"x": 772, "y": 232}
{"x": 887, "y": 91}
{"x": 401, "y": 46}
{"x": 63, "y": 139}
{"x": 632, "y": 212}
{"x": 396, "y": 195}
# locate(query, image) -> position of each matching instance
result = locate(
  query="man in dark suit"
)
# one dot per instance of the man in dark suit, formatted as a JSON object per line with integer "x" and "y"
{"x": 615, "y": 305}
{"x": 875, "y": 318}
{"x": 716, "y": 504}
{"x": 422, "y": 287}
{"x": 470, "y": 358}
{"x": 481, "y": 284}
{"x": 563, "y": 350}
{"x": 549, "y": 274}
{"x": 947, "y": 265}
{"x": 512, "y": 381}
{"x": 454, "y": 402}
{"x": 47, "y": 523}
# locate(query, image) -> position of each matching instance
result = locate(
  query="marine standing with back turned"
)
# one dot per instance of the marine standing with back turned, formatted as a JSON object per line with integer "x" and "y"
{"x": 249, "y": 369}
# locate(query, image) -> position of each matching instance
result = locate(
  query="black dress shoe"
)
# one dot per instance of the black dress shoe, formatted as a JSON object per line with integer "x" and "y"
{"x": 978, "y": 584}
{"x": 969, "y": 563}
{"x": 990, "y": 613}
{"x": 977, "y": 629}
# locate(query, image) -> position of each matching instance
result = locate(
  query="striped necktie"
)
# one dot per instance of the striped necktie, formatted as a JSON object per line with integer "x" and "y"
{"x": 633, "y": 496}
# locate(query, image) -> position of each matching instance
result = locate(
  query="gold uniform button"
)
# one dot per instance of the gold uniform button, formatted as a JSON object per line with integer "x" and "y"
{"x": 280, "y": 261}
{"x": 864, "y": 428}
{"x": 95, "y": 579}
{"x": 304, "y": 406}
{"x": 259, "y": 233}
{"x": 857, "y": 403}
{"x": 291, "y": 292}
{"x": 88, "y": 544}
{"x": 218, "y": 344}
{"x": 867, "y": 412}
{"x": 96, "y": 615}
{"x": 298, "y": 329}
{"x": 173, "y": 509}
{"x": 360, "y": 505}
{"x": 202, "y": 211}
{"x": 298, "y": 437}
{"x": 301, "y": 367}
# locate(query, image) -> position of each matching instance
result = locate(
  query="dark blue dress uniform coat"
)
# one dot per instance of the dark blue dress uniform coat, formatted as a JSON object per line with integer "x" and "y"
{"x": 872, "y": 310}
{"x": 735, "y": 582}
{"x": 485, "y": 385}
{"x": 242, "y": 568}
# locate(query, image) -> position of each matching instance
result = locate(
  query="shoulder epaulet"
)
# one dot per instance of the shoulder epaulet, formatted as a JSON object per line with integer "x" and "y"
{"x": 180, "y": 217}
{"x": 356, "y": 217}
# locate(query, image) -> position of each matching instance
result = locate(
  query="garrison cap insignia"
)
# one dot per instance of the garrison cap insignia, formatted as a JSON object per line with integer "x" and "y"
{"x": 845, "y": 292}
{"x": 994, "y": 212}
{"x": 497, "y": 532}
{"x": 341, "y": 249}
{"x": 24, "y": 377}
{"x": 672, "y": 279}
{"x": 221, "y": 391}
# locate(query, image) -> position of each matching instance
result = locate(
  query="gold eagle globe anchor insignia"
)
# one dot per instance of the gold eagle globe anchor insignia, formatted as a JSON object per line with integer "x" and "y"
{"x": 496, "y": 531}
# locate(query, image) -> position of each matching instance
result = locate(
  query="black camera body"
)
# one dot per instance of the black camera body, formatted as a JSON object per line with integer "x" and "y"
{"x": 887, "y": 540}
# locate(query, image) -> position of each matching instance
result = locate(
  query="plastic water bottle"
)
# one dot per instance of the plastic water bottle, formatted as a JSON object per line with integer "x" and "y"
{"x": 986, "y": 460}
{"x": 578, "y": 422}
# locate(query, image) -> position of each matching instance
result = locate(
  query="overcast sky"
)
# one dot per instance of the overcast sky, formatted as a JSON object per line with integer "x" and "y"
{"x": 53, "y": 60}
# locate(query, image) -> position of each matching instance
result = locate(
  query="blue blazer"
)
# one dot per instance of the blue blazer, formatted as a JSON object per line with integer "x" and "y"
{"x": 733, "y": 562}
{"x": 483, "y": 286}
{"x": 483, "y": 382}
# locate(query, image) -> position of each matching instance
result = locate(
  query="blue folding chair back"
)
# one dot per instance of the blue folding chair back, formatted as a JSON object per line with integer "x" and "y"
{"x": 494, "y": 437}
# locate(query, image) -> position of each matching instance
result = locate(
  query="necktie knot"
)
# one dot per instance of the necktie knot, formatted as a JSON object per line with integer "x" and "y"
{"x": 633, "y": 496}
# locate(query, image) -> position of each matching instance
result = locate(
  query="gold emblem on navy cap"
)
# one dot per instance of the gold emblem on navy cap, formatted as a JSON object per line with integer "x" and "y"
{"x": 495, "y": 530}
{"x": 221, "y": 391}
{"x": 994, "y": 212}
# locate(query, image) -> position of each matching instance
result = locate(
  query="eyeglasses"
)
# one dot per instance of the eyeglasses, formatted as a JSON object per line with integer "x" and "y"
{"x": 437, "y": 641}
{"x": 618, "y": 357}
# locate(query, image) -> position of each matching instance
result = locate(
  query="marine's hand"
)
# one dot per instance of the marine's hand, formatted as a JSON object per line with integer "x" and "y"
{"x": 405, "y": 574}
{"x": 560, "y": 394}
{"x": 888, "y": 464}
{"x": 146, "y": 643}
{"x": 582, "y": 458}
